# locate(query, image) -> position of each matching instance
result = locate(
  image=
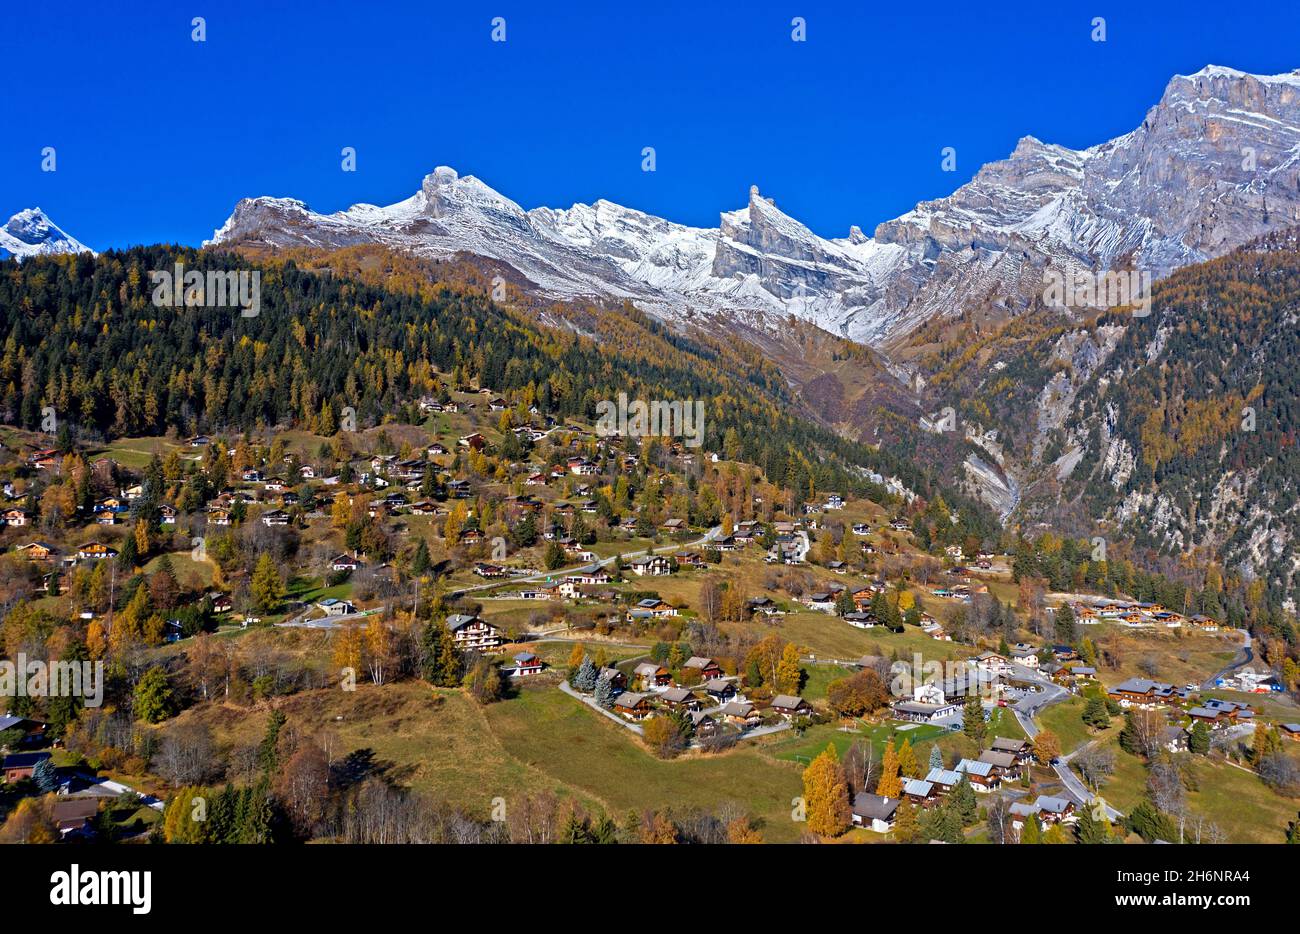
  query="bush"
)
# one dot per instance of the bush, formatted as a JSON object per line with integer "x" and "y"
{"x": 663, "y": 736}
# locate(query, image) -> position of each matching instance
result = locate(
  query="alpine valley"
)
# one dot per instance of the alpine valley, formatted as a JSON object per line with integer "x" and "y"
{"x": 1136, "y": 424}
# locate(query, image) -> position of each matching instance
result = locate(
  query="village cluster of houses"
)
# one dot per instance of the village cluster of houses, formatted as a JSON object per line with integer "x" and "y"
{"x": 1003, "y": 761}
{"x": 1061, "y": 663}
{"x": 827, "y": 599}
{"x": 1145, "y": 694}
{"x": 711, "y": 700}
{"x": 1138, "y": 615}
{"x": 76, "y": 801}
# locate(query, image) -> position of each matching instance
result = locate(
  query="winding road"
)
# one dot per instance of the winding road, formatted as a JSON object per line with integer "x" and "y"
{"x": 1029, "y": 707}
{"x": 1244, "y": 657}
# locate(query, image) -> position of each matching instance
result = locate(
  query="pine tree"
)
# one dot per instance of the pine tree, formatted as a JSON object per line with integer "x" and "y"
{"x": 1064, "y": 625}
{"x": 268, "y": 756}
{"x": 604, "y": 693}
{"x": 574, "y": 830}
{"x": 604, "y": 830}
{"x": 420, "y": 561}
{"x": 973, "y": 724}
{"x": 128, "y": 555}
{"x": 584, "y": 679}
{"x": 154, "y": 699}
{"x": 45, "y": 775}
{"x": 1089, "y": 830}
{"x": 1095, "y": 714}
{"x": 936, "y": 757}
{"x": 906, "y": 825}
{"x": 1198, "y": 740}
{"x": 942, "y": 822}
{"x": 1128, "y": 739}
{"x": 964, "y": 802}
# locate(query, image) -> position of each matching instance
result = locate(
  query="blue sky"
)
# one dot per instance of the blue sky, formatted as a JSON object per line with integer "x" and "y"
{"x": 157, "y": 136}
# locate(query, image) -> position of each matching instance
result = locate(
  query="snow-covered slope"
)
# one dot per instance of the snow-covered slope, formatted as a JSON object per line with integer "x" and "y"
{"x": 1215, "y": 163}
{"x": 31, "y": 233}
{"x": 759, "y": 260}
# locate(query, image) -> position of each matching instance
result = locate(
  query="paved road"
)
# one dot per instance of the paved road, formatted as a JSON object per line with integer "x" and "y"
{"x": 709, "y": 536}
{"x": 1031, "y": 706}
{"x": 1245, "y": 657}
{"x": 621, "y": 721}
{"x": 1075, "y": 785}
{"x": 327, "y": 622}
{"x": 117, "y": 788}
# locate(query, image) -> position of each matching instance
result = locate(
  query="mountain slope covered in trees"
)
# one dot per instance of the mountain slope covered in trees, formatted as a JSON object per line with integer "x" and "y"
{"x": 82, "y": 335}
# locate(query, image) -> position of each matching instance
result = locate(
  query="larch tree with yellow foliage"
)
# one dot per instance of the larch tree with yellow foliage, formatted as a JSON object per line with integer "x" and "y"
{"x": 890, "y": 785}
{"x": 826, "y": 795}
{"x": 379, "y": 649}
{"x": 348, "y": 645}
{"x": 788, "y": 672}
{"x": 96, "y": 641}
{"x": 341, "y": 511}
{"x": 907, "y": 764}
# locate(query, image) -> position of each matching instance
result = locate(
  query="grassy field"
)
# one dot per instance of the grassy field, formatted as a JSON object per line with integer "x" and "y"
{"x": 1244, "y": 808}
{"x": 562, "y": 739}
{"x": 1065, "y": 719}
{"x": 922, "y": 737}
{"x": 137, "y": 452}
{"x": 191, "y": 574}
{"x": 818, "y": 677}
{"x": 445, "y": 745}
{"x": 1174, "y": 656}
{"x": 801, "y": 749}
{"x": 828, "y": 636}
{"x": 435, "y": 741}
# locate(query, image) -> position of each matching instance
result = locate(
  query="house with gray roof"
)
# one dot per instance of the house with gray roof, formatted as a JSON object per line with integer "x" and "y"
{"x": 874, "y": 811}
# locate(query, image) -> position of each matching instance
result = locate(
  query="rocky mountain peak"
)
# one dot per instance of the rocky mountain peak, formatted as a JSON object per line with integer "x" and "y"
{"x": 30, "y": 232}
{"x": 1210, "y": 167}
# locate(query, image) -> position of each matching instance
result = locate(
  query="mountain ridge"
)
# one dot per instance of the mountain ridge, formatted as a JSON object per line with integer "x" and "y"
{"x": 1173, "y": 191}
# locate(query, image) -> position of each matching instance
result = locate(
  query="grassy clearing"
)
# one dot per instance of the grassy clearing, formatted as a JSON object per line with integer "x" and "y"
{"x": 190, "y": 574}
{"x": 436, "y": 742}
{"x": 818, "y": 677}
{"x": 801, "y": 748}
{"x": 561, "y": 738}
{"x": 1065, "y": 719}
{"x": 1244, "y": 808}
{"x": 827, "y": 636}
{"x": 1176, "y": 656}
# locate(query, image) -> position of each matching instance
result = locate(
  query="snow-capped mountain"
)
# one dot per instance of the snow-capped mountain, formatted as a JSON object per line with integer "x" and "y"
{"x": 32, "y": 233}
{"x": 1214, "y": 164}
{"x": 758, "y": 260}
